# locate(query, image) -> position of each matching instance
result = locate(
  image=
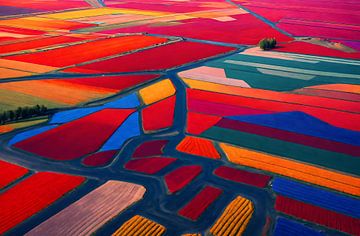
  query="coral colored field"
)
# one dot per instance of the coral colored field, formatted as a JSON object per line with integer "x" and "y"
{"x": 97, "y": 49}
{"x": 114, "y": 83}
{"x": 198, "y": 146}
{"x": 10, "y": 173}
{"x": 83, "y": 136}
{"x": 318, "y": 215}
{"x": 159, "y": 58}
{"x": 33, "y": 195}
{"x": 200, "y": 202}
{"x": 10, "y": 73}
{"x": 182, "y": 176}
{"x": 40, "y": 23}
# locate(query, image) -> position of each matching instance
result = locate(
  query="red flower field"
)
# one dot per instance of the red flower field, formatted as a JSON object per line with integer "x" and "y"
{"x": 33, "y": 195}
{"x": 58, "y": 143}
{"x": 200, "y": 202}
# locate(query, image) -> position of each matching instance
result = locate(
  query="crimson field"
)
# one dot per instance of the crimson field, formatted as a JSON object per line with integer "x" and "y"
{"x": 142, "y": 117}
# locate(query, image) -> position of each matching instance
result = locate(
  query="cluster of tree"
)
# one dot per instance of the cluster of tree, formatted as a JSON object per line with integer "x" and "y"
{"x": 22, "y": 113}
{"x": 267, "y": 43}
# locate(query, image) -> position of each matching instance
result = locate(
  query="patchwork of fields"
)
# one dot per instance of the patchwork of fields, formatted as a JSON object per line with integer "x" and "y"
{"x": 166, "y": 118}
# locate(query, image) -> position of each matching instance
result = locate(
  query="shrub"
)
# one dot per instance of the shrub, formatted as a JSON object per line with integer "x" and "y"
{"x": 267, "y": 43}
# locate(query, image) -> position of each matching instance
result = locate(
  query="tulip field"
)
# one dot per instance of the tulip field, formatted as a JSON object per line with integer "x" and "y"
{"x": 167, "y": 117}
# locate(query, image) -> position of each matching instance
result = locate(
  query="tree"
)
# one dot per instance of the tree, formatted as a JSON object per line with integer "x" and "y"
{"x": 18, "y": 113}
{"x": 37, "y": 109}
{"x": 43, "y": 109}
{"x": 5, "y": 115}
{"x": 272, "y": 43}
{"x": 25, "y": 112}
{"x": 267, "y": 43}
{"x": 11, "y": 115}
{"x": 32, "y": 111}
{"x": 3, "y": 118}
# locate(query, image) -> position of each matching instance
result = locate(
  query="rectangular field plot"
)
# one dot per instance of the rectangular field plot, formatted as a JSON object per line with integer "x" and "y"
{"x": 21, "y": 7}
{"x": 318, "y": 197}
{"x": 160, "y": 58}
{"x": 97, "y": 207}
{"x": 139, "y": 224}
{"x": 194, "y": 209}
{"x": 40, "y": 23}
{"x": 335, "y": 19}
{"x": 50, "y": 92}
{"x": 342, "y": 119}
{"x": 182, "y": 176}
{"x": 10, "y": 173}
{"x": 65, "y": 92}
{"x": 13, "y": 69}
{"x": 79, "y": 136}
{"x": 17, "y": 125}
{"x": 318, "y": 215}
{"x": 9, "y": 73}
{"x": 171, "y": 117}
{"x": 228, "y": 26}
{"x": 96, "y": 49}
{"x": 297, "y": 170}
{"x": 239, "y": 213}
{"x": 90, "y": 13}
{"x": 41, "y": 42}
{"x": 33, "y": 195}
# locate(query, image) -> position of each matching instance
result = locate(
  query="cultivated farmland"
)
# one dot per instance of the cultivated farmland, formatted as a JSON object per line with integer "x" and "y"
{"x": 168, "y": 117}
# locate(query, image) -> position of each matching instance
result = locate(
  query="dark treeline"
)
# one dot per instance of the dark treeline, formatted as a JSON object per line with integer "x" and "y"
{"x": 22, "y": 113}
